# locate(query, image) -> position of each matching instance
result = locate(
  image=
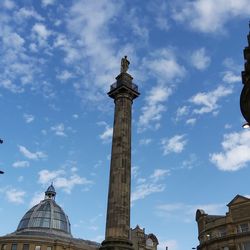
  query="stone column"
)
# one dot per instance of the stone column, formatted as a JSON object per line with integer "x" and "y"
{"x": 123, "y": 91}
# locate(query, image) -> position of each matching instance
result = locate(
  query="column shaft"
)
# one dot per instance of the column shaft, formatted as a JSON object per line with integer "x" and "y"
{"x": 118, "y": 212}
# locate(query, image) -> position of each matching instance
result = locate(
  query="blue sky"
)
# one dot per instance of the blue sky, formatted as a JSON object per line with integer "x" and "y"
{"x": 58, "y": 60}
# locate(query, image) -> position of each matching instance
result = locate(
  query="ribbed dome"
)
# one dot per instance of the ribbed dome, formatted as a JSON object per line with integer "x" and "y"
{"x": 46, "y": 215}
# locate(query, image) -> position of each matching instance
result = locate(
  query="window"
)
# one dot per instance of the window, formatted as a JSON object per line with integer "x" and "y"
{"x": 4, "y": 247}
{"x": 149, "y": 242}
{"x": 56, "y": 224}
{"x": 243, "y": 228}
{"x": 45, "y": 222}
{"x": 37, "y": 247}
{"x": 49, "y": 248}
{"x": 222, "y": 232}
{"x": 26, "y": 246}
{"x": 246, "y": 245}
{"x": 14, "y": 247}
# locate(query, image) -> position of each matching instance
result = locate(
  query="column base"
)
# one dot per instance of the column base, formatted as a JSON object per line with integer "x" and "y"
{"x": 116, "y": 245}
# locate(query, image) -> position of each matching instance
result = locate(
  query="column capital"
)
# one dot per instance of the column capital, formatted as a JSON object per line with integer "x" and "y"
{"x": 123, "y": 84}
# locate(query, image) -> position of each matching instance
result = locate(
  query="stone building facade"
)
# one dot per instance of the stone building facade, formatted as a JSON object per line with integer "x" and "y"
{"x": 225, "y": 232}
{"x": 142, "y": 241}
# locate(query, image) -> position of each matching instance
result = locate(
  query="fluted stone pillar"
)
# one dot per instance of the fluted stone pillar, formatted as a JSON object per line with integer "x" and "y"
{"x": 123, "y": 91}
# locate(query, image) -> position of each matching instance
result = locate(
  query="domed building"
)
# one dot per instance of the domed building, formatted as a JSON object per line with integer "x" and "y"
{"x": 45, "y": 227}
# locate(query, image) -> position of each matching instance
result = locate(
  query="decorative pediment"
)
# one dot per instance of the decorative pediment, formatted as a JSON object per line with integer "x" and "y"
{"x": 237, "y": 200}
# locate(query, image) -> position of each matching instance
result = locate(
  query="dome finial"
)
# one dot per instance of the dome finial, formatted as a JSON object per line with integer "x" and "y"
{"x": 50, "y": 192}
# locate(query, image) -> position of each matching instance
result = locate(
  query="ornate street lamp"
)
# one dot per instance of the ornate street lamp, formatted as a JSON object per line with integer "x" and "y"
{"x": 245, "y": 93}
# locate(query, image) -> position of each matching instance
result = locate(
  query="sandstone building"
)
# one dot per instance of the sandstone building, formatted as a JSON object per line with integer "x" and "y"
{"x": 45, "y": 227}
{"x": 225, "y": 232}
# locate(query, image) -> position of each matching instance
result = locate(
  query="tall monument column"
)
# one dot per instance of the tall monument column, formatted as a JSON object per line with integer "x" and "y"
{"x": 123, "y": 91}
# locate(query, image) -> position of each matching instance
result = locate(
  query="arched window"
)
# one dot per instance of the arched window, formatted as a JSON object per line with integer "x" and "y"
{"x": 149, "y": 242}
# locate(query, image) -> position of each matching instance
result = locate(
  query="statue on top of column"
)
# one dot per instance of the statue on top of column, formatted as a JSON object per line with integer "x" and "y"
{"x": 124, "y": 64}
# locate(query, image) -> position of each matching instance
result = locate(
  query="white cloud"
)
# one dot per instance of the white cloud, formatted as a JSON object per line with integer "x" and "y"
{"x": 191, "y": 121}
{"x": 67, "y": 184}
{"x": 145, "y": 141}
{"x": 186, "y": 212}
{"x": 64, "y": 75}
{"x": 227, "y": 126}
{"x": 182, "y": 111}
{"x": 15, "y": 196}
{"x": 25, "y": 13}
{"x": 19, "y": 67}
{"x": 152, "y": 111}
{"x": 159, "y": 174}
{"x": 59, "y": 129}
{"x": 32, "y": 156}
{"x": 21, "y": 164}
{"x": 107, "y": 134}
{"x": 210, "y": 16}
{"x": 159, "y": 10}
{"x": 199, "y": 59}
{"x": 74, "y": 169}
{"x": 72, "y": 56}
{"x": 230, "y": 77}
{"x": 42, "y": 34}
{"x": 175, "y": 144}
{"x": 147, "y": 186}
{"x": 235, "y": 152}
{"x": 231, "y": 65}
{"x": 162, "y": 23}
{"x": 14, "y": 40}
{"x": 41, "y": 30}
{"x": 143, "y": 190}
{"x": 45, "y": 3}
{"x": 46, "y": 176}
{"x": 62, "y": 180}
{"x": 36, "y": 199}
{"x": 88, "y": 23}
{"x": 190, "y": 162}
{"x": 136, "y": 23}
{"x": 163, "y": 65}
{"x": 134, "y": 171}
{"x": 28, "y": 118}
{"x": 8, "y": 4}
{"x": 7, "y": 84}
{"x": 208, "y": 100}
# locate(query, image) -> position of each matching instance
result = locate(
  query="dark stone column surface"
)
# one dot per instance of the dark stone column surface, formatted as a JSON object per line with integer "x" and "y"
{"x": 118, "y": 211}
